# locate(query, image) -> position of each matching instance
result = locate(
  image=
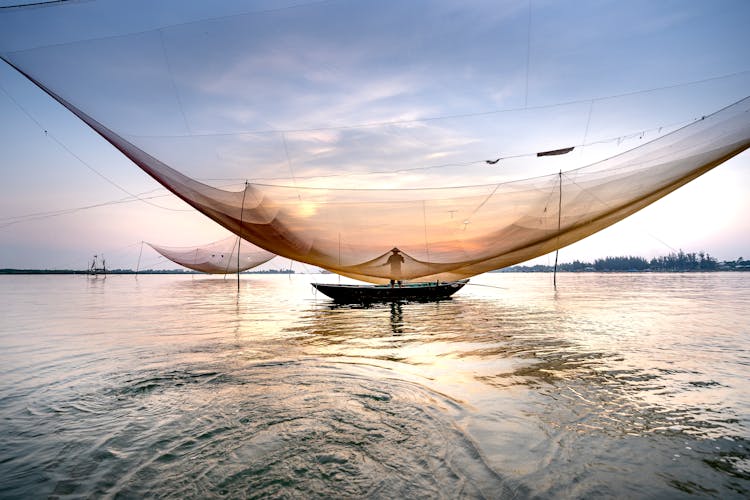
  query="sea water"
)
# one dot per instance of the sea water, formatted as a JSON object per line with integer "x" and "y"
{"x": 615, "y": 385}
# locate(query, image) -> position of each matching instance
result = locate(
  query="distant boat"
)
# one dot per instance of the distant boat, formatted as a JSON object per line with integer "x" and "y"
{"x": 366, "y": 294}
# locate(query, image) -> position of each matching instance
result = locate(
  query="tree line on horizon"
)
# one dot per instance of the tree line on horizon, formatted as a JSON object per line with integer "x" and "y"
{"x": 674, "y": 262}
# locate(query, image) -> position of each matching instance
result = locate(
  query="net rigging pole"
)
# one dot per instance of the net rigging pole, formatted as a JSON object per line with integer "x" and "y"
{"x": 239, "y": 237}
{"x": 559, "y": 218}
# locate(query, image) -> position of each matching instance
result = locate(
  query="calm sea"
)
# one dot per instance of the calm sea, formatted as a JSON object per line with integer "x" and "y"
{"x": 616, "y": 385}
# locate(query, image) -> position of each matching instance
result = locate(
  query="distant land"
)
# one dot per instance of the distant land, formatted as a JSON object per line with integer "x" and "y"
{"x": 131, "y": 271}
{"x": 680, "y": 262}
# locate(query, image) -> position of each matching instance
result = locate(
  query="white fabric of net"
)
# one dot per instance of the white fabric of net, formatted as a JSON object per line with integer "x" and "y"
{"x": 218, "y": 257}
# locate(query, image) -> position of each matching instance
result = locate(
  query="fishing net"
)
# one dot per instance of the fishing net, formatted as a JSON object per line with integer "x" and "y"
{"x": 218, "y": 257}
{"x": 199, "y": 103}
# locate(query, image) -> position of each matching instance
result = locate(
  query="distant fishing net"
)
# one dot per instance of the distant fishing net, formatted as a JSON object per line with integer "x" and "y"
{"x": 198, "y": 101}
{"x": 218, "y": 257}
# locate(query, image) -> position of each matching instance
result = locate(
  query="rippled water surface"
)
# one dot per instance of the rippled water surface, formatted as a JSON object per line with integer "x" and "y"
{"x": 630, "y": 385}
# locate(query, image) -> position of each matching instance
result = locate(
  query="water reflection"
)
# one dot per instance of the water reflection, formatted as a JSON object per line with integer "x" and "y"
{"x": 585, "y": 373}
{"x": 397, "y": 318}
{"x": 542, "y": 347}
{"x": 605, "y": 388}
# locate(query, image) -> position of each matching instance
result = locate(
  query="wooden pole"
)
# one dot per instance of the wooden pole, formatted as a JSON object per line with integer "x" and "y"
{"x": 138, "y": 266}
{"x": 559, "y": 217}
{"x": 239, "y": 237}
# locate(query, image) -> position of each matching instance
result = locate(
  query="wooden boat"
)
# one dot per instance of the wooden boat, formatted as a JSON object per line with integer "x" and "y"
{"x": 365, "y": 294}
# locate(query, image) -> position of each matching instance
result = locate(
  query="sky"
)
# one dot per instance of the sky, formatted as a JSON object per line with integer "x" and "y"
{"x": 353, "y": 94}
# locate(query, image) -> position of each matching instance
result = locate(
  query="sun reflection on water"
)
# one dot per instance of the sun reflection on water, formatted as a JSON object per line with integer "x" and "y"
{"x": 577, "y": 392}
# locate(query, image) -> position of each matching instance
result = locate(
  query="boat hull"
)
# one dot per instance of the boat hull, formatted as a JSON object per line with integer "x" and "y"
{"x": 365, "y": 294}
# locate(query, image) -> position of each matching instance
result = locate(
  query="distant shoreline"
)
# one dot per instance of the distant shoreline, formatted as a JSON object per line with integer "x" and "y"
{"x": 131, "y": 271}
{"x": 513, "y": 269}
{"x": 534, "y": 269}
{"x": 678, "y": 262}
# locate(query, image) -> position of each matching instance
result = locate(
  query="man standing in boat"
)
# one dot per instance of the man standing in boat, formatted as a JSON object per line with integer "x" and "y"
{"x": 395, "y": 260}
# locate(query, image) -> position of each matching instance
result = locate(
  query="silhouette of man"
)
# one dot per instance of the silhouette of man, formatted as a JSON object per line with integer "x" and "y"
{"x": 395, "y": 260}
